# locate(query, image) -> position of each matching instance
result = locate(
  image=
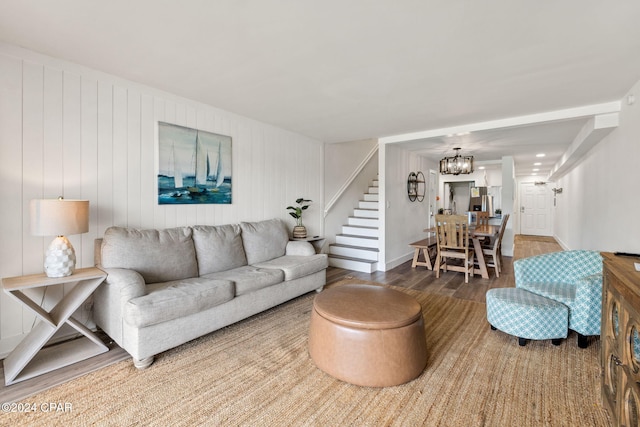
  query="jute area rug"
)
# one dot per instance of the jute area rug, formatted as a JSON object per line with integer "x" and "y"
{"x": 258, "y": 373}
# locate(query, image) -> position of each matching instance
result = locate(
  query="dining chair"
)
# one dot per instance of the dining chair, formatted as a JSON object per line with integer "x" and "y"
{"x": 482, "y": 218}
{"x": 494, "y": 249}
{"x": 452, "y": 241}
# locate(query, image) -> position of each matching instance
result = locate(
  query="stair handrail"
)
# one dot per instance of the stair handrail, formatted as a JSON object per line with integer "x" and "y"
{"x": 349, "y": 180}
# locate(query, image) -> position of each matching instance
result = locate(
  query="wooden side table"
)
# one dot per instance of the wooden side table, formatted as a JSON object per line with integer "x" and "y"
{"x": 620, "y": 339}
{"x": 29, "y": 358}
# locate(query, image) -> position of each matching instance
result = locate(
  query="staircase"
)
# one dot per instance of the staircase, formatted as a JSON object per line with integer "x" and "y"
{"x": 356, "y": 248}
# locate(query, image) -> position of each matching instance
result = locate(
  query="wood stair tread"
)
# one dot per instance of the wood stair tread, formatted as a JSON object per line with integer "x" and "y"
{"x": 367, "y": 261}
{"x": 363, "y": 248}
{"x": 357, "y": 236}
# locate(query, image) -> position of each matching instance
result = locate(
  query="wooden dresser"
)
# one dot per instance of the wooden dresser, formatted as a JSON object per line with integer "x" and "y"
{"x": 620, "y": 340}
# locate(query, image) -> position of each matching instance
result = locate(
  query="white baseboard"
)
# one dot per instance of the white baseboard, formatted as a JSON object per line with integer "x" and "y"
{"x": 562, "y": 244}
{"x": 396, "y": 262}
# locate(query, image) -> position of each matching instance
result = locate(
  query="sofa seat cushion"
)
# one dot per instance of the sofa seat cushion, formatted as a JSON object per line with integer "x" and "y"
{"x": 561, "y": 292}
{"x": 218, "y": 248}
{"x": 175, "y": 299}
{"x": 249, "y": 278}
{"x": 296, "y": 266}
{"x": 158, "y": 255}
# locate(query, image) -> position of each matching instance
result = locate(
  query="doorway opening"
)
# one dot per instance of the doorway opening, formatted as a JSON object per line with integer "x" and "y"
{"x": 457, "y": 196}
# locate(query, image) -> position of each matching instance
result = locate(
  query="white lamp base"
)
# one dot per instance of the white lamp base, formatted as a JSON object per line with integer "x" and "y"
{"x": 61, "y": 258}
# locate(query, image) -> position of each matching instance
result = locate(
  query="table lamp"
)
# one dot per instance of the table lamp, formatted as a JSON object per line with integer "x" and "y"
{"x": 59, "y": 217}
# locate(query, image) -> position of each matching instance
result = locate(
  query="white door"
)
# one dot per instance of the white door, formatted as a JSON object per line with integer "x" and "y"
{"x": 535, "y": 209}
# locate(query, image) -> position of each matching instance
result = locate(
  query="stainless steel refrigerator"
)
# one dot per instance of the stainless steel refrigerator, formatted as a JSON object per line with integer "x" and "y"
{"x": 480, "y": 201}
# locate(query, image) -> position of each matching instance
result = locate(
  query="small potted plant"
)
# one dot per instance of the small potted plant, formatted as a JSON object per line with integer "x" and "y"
{"x": 299, "y": 231}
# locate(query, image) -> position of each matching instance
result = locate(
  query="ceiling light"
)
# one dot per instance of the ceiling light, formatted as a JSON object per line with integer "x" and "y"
{"x": 457, "y": 164}
{"x": 481, "y": 167}
{"x": 540, "y": 155}
{"x": 537, "y": 164}
{"x": 536, "y": 170}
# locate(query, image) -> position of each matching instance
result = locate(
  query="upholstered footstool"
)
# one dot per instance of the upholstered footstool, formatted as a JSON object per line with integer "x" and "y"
{"x": 526, "y": 315}
{"x": 368, "y": 335}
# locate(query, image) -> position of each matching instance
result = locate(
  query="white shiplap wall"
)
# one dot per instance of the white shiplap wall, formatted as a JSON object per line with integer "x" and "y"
{"x": 68, "y": 130}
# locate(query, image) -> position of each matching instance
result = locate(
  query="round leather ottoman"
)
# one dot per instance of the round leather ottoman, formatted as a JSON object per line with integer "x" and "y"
{"x": 368, "y": 335}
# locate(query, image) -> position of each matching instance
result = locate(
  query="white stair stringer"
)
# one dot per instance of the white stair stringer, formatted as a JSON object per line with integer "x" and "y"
{"x": 357, "y": 247}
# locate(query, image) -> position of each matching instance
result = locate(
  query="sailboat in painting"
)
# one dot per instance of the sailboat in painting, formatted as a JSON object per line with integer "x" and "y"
{"x": 219, "y": 174}
{"x": 203, "y": 169}
{"x": 201, "y": 166}
{"x": 177, "y": 172}
{"x": 218, "y": 178}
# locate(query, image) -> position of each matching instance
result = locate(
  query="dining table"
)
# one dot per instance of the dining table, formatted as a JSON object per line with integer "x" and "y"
{"x": 478, "y": 232}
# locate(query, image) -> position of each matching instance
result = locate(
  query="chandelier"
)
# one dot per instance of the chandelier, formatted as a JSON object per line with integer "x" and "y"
{"x": 457, "y": 164}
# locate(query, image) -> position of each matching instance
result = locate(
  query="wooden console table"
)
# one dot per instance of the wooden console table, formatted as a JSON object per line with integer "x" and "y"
{"x": 620, "y": 339}
{"x": 29, "y": 358}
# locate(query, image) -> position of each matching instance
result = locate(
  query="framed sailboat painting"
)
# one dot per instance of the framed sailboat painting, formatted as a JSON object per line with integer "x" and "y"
{"x": 194, "y": 166}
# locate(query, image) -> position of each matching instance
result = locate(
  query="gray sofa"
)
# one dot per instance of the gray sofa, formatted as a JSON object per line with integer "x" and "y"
{"x": 167, "y": 287}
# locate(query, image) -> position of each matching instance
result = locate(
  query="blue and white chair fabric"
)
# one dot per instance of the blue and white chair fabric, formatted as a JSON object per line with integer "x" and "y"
{"x": 526, "y": 315}
{"x": 573, "y": 278}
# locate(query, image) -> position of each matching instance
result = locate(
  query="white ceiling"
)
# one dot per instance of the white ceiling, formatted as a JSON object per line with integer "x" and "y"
{"x": 343, "y": 70}
{"x": 523, "y": 143}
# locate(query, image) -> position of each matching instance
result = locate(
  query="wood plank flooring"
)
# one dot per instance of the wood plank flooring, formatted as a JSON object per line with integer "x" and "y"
{"x": 450, "y": 284}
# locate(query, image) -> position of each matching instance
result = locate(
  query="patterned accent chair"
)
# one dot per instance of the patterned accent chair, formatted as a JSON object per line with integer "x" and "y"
{"x": 573, "y": 278}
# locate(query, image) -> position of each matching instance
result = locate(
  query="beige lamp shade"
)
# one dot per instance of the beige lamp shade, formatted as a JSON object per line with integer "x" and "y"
{"x": 58, "y": 217}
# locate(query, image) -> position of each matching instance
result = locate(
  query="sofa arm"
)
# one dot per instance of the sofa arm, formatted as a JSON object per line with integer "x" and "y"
{"x": 522, "y": 271}
{"x": 128, "y": 283}
{"x": 587, "y": 308}
{"x": 120, "y": 286}
{"x": 299, "y": 247}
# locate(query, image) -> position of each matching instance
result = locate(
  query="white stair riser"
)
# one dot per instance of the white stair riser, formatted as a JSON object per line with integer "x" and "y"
{"x": 371, "y": 197}
{"x": 367, "y": 205}
{"x": 348, "y": 264}
{"x": 355, "y": 241}
{"x": 366, "y": 213}
{"x": 360, "y": 231}
{"x": 364, "y": 222}
{"x": 354, "y": 253}
{"x": 373, "y": 190}
{"x": 374, "y": 183}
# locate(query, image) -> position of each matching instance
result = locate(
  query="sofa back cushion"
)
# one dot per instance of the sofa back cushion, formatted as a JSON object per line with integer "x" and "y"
{"x": 264, "y": 240}
{"x": 158, "y": 255}
{"x": 558, "y": 267}
{"x": 218, "y": 248}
